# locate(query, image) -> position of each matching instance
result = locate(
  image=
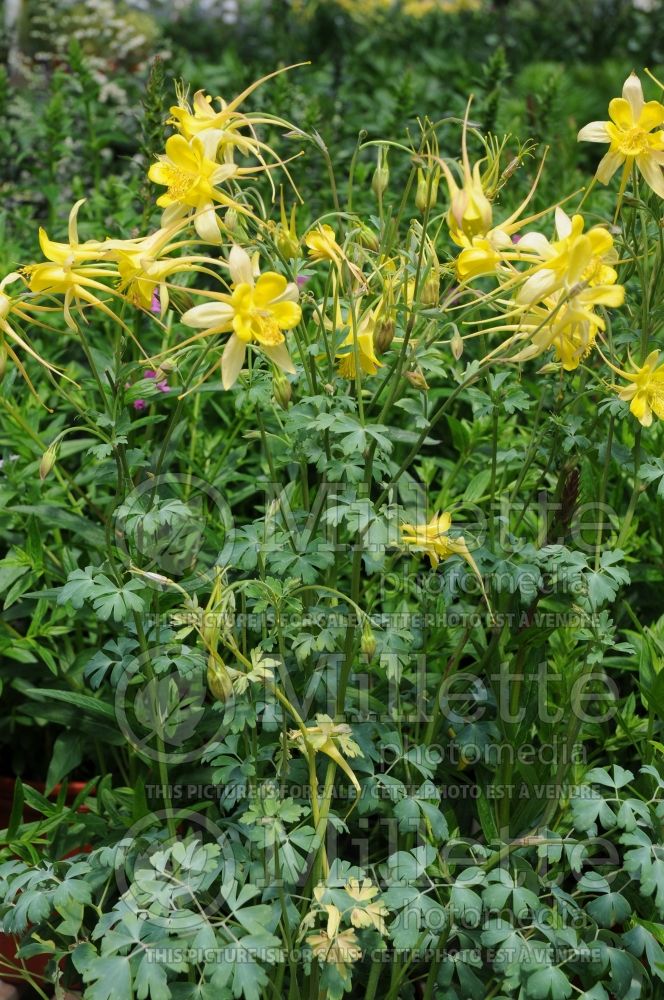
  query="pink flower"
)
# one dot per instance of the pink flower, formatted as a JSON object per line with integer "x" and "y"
{"x": 155, "y": 305}
{"x": 139, "y": 404}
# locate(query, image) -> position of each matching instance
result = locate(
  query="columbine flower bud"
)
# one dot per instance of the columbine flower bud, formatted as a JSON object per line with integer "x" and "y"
{"x": 234, "y": 225}
{"x": 219, "y": 679}
{"x": 456, "y": 343}
{"x": 48, "y": 460}
{"x": 281, "y": 389}
{"x": 383, "y": 335}
{"x": 427, "y": 188}
{"x": 368, "y": 640}
{"x": 381, "y": 177}
{"x": 417, "y": 380}
{"x": 369, "y": 239}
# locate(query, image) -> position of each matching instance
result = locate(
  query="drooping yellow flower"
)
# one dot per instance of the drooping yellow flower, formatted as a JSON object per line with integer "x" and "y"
{"x": 144, "y": 265}
{"x": 631, "y": 137}
{"x": 645, "y": 393}
{"x": 499, "y": 248}
{"x": 433, "y": 539}
{"x": 572, "y": 259}
{"x": 73, "y": 251}
{"x": 470, "y": 213}
{"x": 333, "y": 739}
{"x": 366, "y": 352}
{"x": 256, "y": 311}
{"x": 191, "y": 178}
{"x": 221, "y": 131}
{"x": 322, "y": 244}
{"x": 567, "y": 328}
{"x": 65, "y": 273}
{"x": 23, "y": 310}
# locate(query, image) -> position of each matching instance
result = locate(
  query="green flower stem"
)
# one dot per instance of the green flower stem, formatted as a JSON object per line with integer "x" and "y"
{"x": 373, "y": 980}
{"x": 602, "y": 492}
{"x": 637, "y": 490}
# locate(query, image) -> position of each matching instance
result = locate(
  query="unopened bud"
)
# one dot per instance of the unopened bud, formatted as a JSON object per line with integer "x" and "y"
{"x": 417, "y": 380}
{"x": 431, "y": 290}
{"x": 234, "y": 225}
{"x": 48, "y": 460}
{"x": 381, "y": 177}
{"x": 427, "y": 189}
{"x": 219, "y": 679}
{"x": 383, "y": 335}
{"x": 369, "y": 239}
{"x": 456, "y": 344}
{"x": 368, "y": 640}
{"x": 282, "y": 390}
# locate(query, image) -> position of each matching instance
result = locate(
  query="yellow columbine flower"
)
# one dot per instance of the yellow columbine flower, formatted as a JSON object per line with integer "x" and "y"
{"x": 433, "y": 540}
{"x": 285, "y": 233}
{"x": 569, "y": 329}
{"x": 496, "y": 250}
{"x": 256, "y": 311}
{"x": 65, "y": 273}
{"x": 645, "y": 393}
{"x": 23, "y": 310}
{"x": 631, "y": 137}
{"x": 567, "y": 324}
{"x": 330, "y": 737}
{"x": 470, "y": 212}
{"x": 75, "y": 252}
{"x": 191, "y": 179}
{"x": 366, "y": 352}
{"x": 574, "y": 258}
{"x": 144, "y": 267}
{"x": 322, "y": 244}
{"x": 221, "y": 131}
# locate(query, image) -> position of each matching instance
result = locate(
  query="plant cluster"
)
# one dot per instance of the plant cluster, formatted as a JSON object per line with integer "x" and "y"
{"x": 333, "y": 547}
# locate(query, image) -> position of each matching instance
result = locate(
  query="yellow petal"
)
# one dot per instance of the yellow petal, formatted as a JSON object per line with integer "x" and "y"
{"x": 239, "y": 264}
{"x": 652, "y": 116}
{"x": 608, "y": 165}
{"x": 593, "y": 132}
{"x": 633, "y": 94}
{"x": 621, "y": 113}
{"x": 652, "y": 172}
{"x": 269, "y": 287}
{"x": 641, "y": 410}
{"x": 231, "y": 361}
{"x": 287, "y": 314}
